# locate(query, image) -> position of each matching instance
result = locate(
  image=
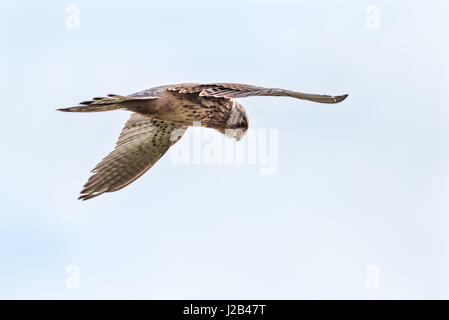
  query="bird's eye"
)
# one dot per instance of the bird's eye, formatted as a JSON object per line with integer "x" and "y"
{"x": 243, "y": 124}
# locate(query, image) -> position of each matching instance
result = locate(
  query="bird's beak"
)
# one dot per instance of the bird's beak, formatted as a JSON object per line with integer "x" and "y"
{"x": 239, "y": 134}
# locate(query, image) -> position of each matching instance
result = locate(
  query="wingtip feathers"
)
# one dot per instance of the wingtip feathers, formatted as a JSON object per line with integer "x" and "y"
{"x": 341, "y": 98}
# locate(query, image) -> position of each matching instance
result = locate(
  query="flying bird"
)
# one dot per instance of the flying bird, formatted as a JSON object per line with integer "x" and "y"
{"x": 160, "y": 117}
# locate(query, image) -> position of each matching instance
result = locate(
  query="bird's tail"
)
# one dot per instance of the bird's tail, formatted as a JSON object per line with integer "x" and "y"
{"x": 98, "y": 104}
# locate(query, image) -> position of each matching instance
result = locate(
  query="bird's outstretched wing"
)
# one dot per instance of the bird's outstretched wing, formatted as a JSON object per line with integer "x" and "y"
{"x": 237, "y": 90}
{"x": 142, "y": 142}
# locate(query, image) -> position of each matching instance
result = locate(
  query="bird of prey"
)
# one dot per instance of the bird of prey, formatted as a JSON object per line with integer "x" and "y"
{"x": 160, "y": 117}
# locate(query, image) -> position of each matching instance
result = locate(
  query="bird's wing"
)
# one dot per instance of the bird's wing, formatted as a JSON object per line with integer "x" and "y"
{"x": 237, "y": 90}
{"x": 142, "y": 142}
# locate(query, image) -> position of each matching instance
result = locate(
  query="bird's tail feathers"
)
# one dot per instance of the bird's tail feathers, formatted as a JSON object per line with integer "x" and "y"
{"x": 98, "y": 104}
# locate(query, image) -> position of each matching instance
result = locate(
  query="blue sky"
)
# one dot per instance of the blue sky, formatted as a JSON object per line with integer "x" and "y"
{"x": 359, "y": 184}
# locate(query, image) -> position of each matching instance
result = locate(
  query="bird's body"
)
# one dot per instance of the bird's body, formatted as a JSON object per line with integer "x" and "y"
{"x": 161, "y": 116}
{"x": 185, "y": 108}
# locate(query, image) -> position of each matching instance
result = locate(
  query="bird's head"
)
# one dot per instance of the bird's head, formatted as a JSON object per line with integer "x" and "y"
{"x": 237, "y": 123}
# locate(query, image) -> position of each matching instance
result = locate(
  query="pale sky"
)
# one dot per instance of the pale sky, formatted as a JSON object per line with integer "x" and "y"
{"x": 356, "y": 208}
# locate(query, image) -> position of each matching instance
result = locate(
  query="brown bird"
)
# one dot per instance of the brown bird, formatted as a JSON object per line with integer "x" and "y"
{"x": 161, "y": 116}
